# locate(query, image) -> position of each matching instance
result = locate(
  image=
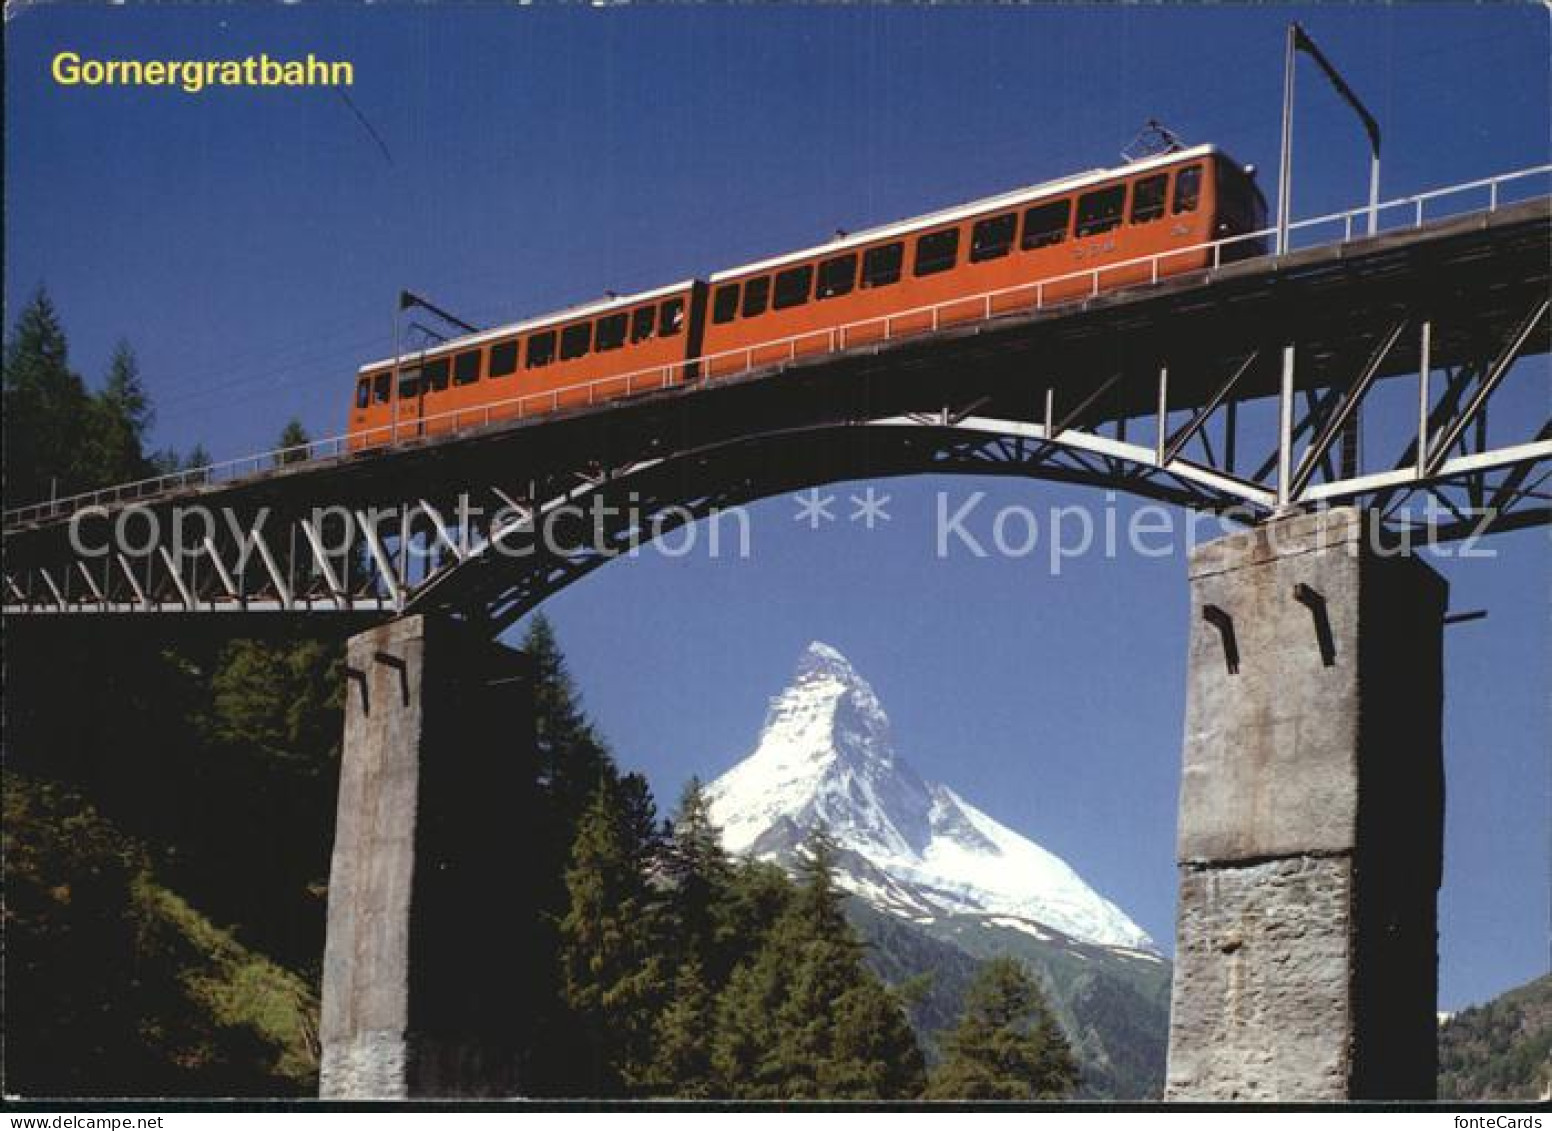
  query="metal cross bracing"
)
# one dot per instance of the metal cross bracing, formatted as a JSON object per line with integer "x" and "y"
{"x": 1255, "y": 388}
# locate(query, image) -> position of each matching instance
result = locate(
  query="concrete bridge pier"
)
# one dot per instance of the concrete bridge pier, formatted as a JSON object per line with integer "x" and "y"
{"x": 422, "y": 983}
{"x": 1311, "y": 818}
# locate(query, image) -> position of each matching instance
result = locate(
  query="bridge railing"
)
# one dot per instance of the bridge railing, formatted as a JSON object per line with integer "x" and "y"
{"x": 1408, "y": 212}
{"x": 1403, "y": 213}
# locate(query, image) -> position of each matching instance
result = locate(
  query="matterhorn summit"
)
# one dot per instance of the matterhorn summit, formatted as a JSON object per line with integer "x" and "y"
{"x": 907, "y": 846}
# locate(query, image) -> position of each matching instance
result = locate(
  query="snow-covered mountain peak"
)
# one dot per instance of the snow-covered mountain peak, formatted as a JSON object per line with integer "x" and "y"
{"x": 826, "y": 757}
{"x": 828, "y": 713}
{"x": 819, "y": 661}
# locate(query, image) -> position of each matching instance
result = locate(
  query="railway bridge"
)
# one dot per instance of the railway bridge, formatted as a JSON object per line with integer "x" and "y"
{"x": 1340, "y": 400}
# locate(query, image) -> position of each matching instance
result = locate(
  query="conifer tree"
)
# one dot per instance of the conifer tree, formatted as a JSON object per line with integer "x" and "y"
{"x": 197, "y": 460}
{"x": 806, "y": 1019}
{"x": 1006, "y": 1046}
{"x": 759, "y": 893}
{"x": 282, "y": 698}
{"x": 292, "y": 442}
{"x": 873, "y": 1053}
{"x": 166, "y": 461}
{"x": 570, "y": 764}
{"x": 252, "y": 730}
{"x": 264, "y": 725}
{"x": 571, "y": 758}
{"x": 59, "y": 438}
{"x": 610, "y": 953}
{"x": 121, "y": 418}
{"x": 820, "y": 905}
{"x": 682, "y": 1039}
{"x": 46, "y": 410}
{"x": 699, "y": 875}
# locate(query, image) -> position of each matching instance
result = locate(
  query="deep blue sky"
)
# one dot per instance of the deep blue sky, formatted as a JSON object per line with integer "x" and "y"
{"x": 250, "y": 243}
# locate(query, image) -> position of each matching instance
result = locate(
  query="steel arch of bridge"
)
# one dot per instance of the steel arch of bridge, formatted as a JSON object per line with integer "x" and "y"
{"x": 1145, "y": 391}
{"x": 514, "y": 566}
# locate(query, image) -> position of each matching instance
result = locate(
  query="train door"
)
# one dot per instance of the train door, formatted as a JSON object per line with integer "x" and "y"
{"x": 409, "y": 405}
{"x": 696, "y": 338}
{"x": 361, "y": 406}
{"x": 436, "y": 413}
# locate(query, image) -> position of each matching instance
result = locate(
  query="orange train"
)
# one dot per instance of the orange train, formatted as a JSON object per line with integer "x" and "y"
{"x": 1035, "y": 245}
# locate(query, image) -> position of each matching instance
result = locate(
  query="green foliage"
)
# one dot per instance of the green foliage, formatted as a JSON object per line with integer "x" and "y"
{"x": 873, "y": 1052}
{"x": 60, "y": 438}
{"x": 694, "y": 975}
{"x": 571, "y": 758}
{"x": 930, "y": 976}
{"x": 758, "y": 896}
{"x": 46, "y": 412}
{"x": 292, "y": 442}
{"x": 636, "y": 945}
{"x": 610, "y": 954}
{"x": 222, "y": 760}
{"x": 805, "y": 1019}
{"x": 1501, "y": 1050}
{"x": 166, "y": 461}
{"x": 70, "y": 932}
{"x": 116, "y": 986}
{"x": 1112, "y": 1006}
{"x": 570, "y": 764}
{"x": 820, "y": 905}
{"x": 235, "y": 987}
{"x": 272, "y": 720}
{"x": 282, "y": 701}
{"x": 211, "y": 771}
{"x": 648, "y": 953}
{"x": 699, "y": 877}
{"x": 120, "y": 420}
{"x": 1006, "y": 1046}
{"x": 681, "y": 1059}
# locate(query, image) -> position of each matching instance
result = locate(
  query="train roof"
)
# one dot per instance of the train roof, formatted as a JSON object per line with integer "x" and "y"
{"x": 581, "y": 310}
{"x": 961, "y": 211}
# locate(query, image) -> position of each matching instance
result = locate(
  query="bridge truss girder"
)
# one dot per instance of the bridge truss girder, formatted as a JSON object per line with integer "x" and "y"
{"x": 1148, "y": 391}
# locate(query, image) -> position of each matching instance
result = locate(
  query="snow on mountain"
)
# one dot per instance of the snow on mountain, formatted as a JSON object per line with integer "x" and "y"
{"x": 906, "y": 845}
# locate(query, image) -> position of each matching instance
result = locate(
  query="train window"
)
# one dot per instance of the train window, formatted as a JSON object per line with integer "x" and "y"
{"x": 363, "y": 392}
{"x": 993, "y": 238}
{"x": 1188, "y": 189}
{"x": 1046, "y": 224}
{"x": 937, "y": 252}
{"x": 757, "y": 296}
{"x": 837, "y": 276}
{"x": 1100, "y": 211}
{"x": 792, "y": 287}
{"x": 643, "y": 323}
{"x": 881, "y": 265}
{"x": 436, "y": 374}
{"x": 672, "y": 320}
{"x": 724, "y": 308}
{"x": 382, "y": 387}
{"x": 575, "y": 341}
{"x": 409, "y": 383}
{"x": 1148, "y": 198}
{"x": 503, "y": 358}
{"x": 611, "y": 332}
{"x": 541, "y": 349}
{"x": 466, "y": 367}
